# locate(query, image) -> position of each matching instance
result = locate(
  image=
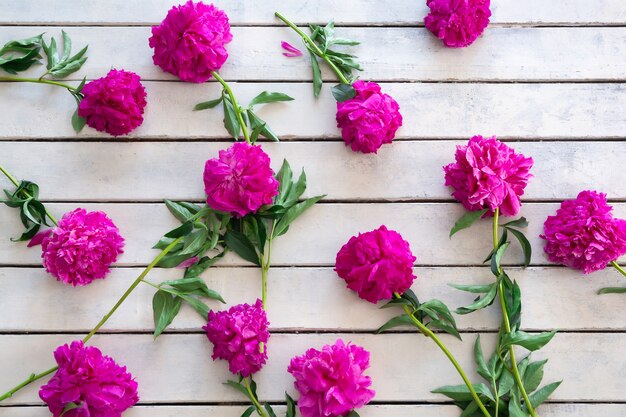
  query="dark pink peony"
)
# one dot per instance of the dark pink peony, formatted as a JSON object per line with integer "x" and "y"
{"x": 240, "y": 181}
{"x": 91, "y": 380}
{"x": 488, "y": 174}
{"x": 237, "y": 334}
{"x": 191, "y": 41}
{"x": 376, "y": 264}
{"x": 331, "y": 381}
{"x": 82, "y": 247}
{"x": 368, "y": 120}
{"x": 115, "y": 103}
{"x": 457, "y": 22}
{"x": 583, "y": 234}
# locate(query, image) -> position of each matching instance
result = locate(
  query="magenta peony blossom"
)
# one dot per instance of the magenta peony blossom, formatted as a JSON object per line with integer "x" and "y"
{"x": 368, "y": 120}
{"x": 457, "y": 22}
{"x": 376, "y": 264}
{"x": 488, "y": 174}
{"x": 191, "y": 41}
{"x": 115, "y": 103}
{"x": 82, "y": 247}
{"x": 331, "y": 381}
{"x": 91, "y": 380}
{"x": 237, "y": 334}
{"x": 583, "y": 234}
{"x": 240, "y": 181}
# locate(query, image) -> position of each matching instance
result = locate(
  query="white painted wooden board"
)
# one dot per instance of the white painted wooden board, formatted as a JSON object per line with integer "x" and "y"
{"x": 404, "y": 367}
{"x": 431, "y": 110}
{"x": 406, "y": 170}
{"x": 255, "y": 54}
{"x": 363, "y": 12}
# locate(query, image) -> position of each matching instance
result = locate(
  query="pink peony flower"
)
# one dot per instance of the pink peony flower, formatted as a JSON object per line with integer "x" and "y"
{"x": 583, "y": 234}
{"x": 115, "y": 103}
{"x": 368, "y": 120}
{"x": 331, "y": 381}
{"x": 376, "y": 264}
{"x": 240, "y": 181}
{"x": 191, "y": 41}
{"x": 91, "y": 380}
{"x": 457, "y": 22}
{"x": 237, "y": 334}
{"x": 82, "y": 247}
{"x": 488, "y": 174}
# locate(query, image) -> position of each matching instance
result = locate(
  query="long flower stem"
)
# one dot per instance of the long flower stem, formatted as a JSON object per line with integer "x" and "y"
{"x": 429, "y": 333}
{"x": 507, "y": 324}
{"x": 256, "y": 404}
{"x": 233, "y": 100}
{"x": 38, "y": 81}
{"x": 17, "y": 184}
{"x": 35, "y": 377}
{"x": 313, "y": 47}
{"x": 265, "y": 267}
{"x": 619, "y": 268}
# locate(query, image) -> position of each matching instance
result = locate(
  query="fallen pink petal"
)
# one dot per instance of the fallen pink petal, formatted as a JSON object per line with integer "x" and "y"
{"x": 187, "y": 263}
{"x": 292, "y": 51}
{"x": 39, "y": 237}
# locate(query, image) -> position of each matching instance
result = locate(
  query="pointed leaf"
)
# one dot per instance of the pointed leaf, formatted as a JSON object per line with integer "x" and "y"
{"x": 482, "y": 302}
{"x": 467, "y": 220}
{"x": 612, "y": 290}
{"x": 343, "y": 92}
{"x": 480, "y": 360}
{"x": 476, "y": 289}
{"x": 164, "y": 307}
{"x": 519, "y": 223}
{"x": 462, "y": 393}
{"x": 181, "y": 230}
{"x": 533, "y": 375}
{"x": 208, "y": 104}
{"x": 525, "y": 244}
{"x": 242, "y": 246}
{"x": 401, "y": 320}
{"x": 231, "y": 123}
{"x": 538, "y": 397}
{"x": 317, "y": 74}
{"x": 528, "y": 341}
{"x": 248, "y": 411}
{"x": 293, "y": 213}
{"x": 269, "y": 97}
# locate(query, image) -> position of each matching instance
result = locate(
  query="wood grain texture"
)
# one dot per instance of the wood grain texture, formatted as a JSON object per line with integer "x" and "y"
{"x": 404, "y": 367}
{"x": 406, "y": 170}
{"x": 367, "y": 12}
{"x": 306, "y": 299}
{"x": 521, "y": 111}
{"x": 324, "y": 228}
{"x": 255, "y": 54}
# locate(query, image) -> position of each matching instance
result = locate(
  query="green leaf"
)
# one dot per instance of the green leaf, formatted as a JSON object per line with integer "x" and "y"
{"x": 440, "y": 308}
{"x": 284, "y": 178}
{"x": 239, "y": 387}
{"x": 515, "y": 410}
{"x": 476, "y": 289}
{"x": 13, "y": 65}
{"x": 470, "y": 410}
{"x": 497, "y": 259}
{"x": 164, "y": 307}
{"x": 179, "y": 211}
{"x": 317, "y": 74}
{"x": 507, "y": 381}
{"x": 343, "y": 92}
{"x": 202, "y": 265}
{"x": 481, "y": 302}
{"x": 401, "y": 320}
{"x": 51, "y": 53}
{"x": 533, "y": 375}
{"x": 172, "y": 260}
{"x": 528, "y": 341}
{"x": 208, "y": 104}
{"x": 293, "y": 213}
{"x": 194, "y": 242}
{"x": 181, "y": 230}
{"x": 248, "y": 411}
{"x": 67, "y": 46}
{"x": 538, "y": 397}
{"x": 612, "y": 290}
{"x": 242, "y": 246}
{"x": 78, "y": 122}
{"x": 291, "y": 406}
{"x": 462, "y": 393}
{"x": 231, "y": 123}
{"x": 526, "y": 248}
{"x": 20, "y": 44}
{"x": 503, "y": 239}
{"x": 446, "y": 327}
{"x": 519, "y": 223}
{"x": 480, "y": 360}
{"x": 269, "y": 97}
{"x": 195, "y": 286}
{"x": 265, "y": 131}
{"x": 269, "y": 410}
{"x": 467, "y": 220}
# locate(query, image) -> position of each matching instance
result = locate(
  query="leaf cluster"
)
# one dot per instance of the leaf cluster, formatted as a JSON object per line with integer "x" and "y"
{"x": 324, "y": 39}
{"x": 433, "y": 314}
{"x": 19, "y": 55}
{"x": 254, "y": 398}
{"x": 500, "y": 390}
{"x": 33, "y": 213}
{"x": 253, "y": 123}
{"x": 63, "y": 63}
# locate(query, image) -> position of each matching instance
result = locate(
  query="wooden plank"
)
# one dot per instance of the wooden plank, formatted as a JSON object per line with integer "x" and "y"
{"x": 404, "y": 367}
{"x": 323, "y": 230}
{"x": 255, "y": 54}
{"x": 368, "y": 12}
{"x": 434, "y": 410}
{"x": 75, "y": 172}
{"x": 304, "y": 298}
{"x": 520, "y": 111}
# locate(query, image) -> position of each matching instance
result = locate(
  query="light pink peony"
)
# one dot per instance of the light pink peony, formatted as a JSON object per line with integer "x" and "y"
{"x": 237, "y": 334}
{"x": 240, "y": 181}
{"x": 87, "y": 378}
{"x": 376, "y": 264}
{"x": 457, "y": 22}
{"x": 191, "y": 41}
{"x": 115, "y": 103}
{"x": 368, "y": 120}
{"x": 82, "y": 247}
{"x": 331, "y": 381}
{"x": 488, "y": 174}
{"x": 583, "y": 234}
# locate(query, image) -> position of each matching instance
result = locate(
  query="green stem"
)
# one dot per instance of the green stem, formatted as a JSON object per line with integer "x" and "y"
{"x": 38, "y": 81}
{"x": 507, "y": 324}
{"x": 313, "y": 47}
{"x": 17, "y": 184}
{"x": 230, "y": 93}
{"x": 258, "y": 407}
{"x": 35, "y": 377}
{"x": 429, "y": 333}
{"x": 619, "y": 268}
{"x": 265, "y": 267}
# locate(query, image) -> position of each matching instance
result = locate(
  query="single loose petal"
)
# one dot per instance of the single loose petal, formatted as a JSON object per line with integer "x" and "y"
{"x": 292, "y": 51}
